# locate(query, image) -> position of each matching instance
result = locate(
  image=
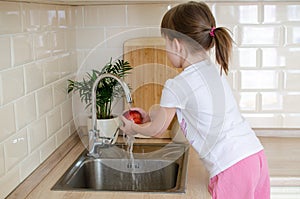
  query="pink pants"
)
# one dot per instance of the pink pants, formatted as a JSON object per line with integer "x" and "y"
{"x": 247, "y": 179}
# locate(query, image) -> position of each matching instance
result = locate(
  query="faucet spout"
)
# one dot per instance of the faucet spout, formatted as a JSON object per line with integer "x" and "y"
{"x": 94, "y": 135}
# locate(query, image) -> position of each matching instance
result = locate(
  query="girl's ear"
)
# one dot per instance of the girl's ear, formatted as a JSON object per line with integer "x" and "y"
{"x": 176, "y": 45}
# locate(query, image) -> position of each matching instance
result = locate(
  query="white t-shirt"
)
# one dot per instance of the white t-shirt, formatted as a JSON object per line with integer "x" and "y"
{"x": 209, "y": 116}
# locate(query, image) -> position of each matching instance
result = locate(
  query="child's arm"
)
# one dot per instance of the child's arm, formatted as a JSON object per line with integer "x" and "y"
{"x": 160, "y": 121}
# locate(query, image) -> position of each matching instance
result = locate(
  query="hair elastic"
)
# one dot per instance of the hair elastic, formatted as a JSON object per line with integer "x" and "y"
{"x": 212, "y": 31}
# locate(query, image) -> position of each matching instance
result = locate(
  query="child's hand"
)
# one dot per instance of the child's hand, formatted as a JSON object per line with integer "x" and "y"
{"x": 127, "y": 126}
{"x": 144, "y": 114}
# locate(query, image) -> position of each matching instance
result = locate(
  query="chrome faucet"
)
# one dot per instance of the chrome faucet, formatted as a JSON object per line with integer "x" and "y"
{"x": 95, "y": 139}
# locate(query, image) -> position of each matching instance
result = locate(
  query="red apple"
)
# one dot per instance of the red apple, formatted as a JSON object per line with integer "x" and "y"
{"x": 135, "y": 116}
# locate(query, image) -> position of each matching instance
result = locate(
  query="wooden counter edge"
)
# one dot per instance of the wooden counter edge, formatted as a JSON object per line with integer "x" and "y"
{"x": 30, "y": 183}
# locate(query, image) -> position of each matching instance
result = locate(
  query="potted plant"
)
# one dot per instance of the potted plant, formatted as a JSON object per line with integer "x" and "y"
{"x": 108, "y": 89}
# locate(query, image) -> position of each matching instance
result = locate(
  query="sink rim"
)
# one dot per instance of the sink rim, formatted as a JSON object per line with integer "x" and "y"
{"x": 63, "y": 183}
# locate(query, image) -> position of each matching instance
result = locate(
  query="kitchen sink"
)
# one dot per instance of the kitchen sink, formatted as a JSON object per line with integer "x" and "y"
{"x": 149, "y": 168}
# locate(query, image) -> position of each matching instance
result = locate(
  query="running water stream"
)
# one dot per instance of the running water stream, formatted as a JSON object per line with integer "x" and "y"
{"x": 131, "y": 165}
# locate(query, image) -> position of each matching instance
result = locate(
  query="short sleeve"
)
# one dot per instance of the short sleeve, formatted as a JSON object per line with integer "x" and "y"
{"x": 170, "y": 97}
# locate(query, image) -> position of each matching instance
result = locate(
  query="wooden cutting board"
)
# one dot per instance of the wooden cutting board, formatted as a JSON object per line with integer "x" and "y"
{"x": 151, "y": 68}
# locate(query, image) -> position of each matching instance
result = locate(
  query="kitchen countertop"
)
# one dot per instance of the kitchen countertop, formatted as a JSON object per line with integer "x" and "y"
{"x": 283, "y": 156}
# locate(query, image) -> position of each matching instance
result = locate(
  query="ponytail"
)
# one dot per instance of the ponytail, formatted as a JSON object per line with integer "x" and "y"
{"x": 223, "y": 47}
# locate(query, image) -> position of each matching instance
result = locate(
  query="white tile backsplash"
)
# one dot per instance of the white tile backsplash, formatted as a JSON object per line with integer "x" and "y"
{"x": 259, "y": 35}
{"x": 7, "y": 121}
{"x": 11, "y": 179}
{"x": 16, "y": 148}
{"x": 54, "y": 121}
{"x": 30, "y": 163}
{"x": 12, "y": 84}
{"x": 2, "y": 161}
{"x": 47, "y": 148}
{"x": 258, "y": 79}
{"x": 25, "y": 111}
{"x": 34, "y": 76}
{"x": 51, "y": 71}
{"x": 236, "y": 13}
{"x": 43, "y": 45}
{"x": 22, "y": 49}
{"x": 37, "y": 132}
{"x": 44, "y": 100}
{"x": 5, "y": 52}
{"x": 11, "y": 20}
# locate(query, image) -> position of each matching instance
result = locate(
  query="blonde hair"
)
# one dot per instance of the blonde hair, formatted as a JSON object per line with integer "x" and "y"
{"x": 195, "y": 20}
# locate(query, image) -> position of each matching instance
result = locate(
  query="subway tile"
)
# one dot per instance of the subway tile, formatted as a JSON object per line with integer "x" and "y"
{"x": 29, "y": 164}
{"x": 48, "y": 17}
{"x": 5, "y": 52}
{"x": 116, "y": 36}
{"x": 2, "y": 161}
{"x": 271, "y": 101}
{"x": 260, "y": 35}
{"x": 42, "y": 45}
{"x": 60, "y": 92}
{"x": 274, "y": 57}
{"x": 51, "y": 71}
{"x": 247, "y": 101}
{"x": 78, "y": 13}
{"x": 89, "y": 38}
{"x": 7, "y": 121}
{"x": 37, "y": 132}
{"x": 72, "y": 127}
{"x": 62, "y": 18}
{"x": 291, "y": 103}
{"x": 53, "y": 121}
{"x": 105, "y": 15}
{"x": 62, "y": 135}
{"x": 16, "y": 148}
{"x": 67, "y": 65}
{"x": 67, "y": 114}
{"x": 259, "y": 79}
{"x": 12, "y": 84}
{"x": 31, "y": 16}
{"x": 70, "y": 40}
{"x": 11, "y": 20}
{"x": 150, "y": 14}
{"x": 11, "y": 180}
{"x": 231, "y": 79}
{"x": 281, "y": 12}
{"x": 245, "y": 57}
{"x": 264, "y": 120}
{"x": 293, "y": 35}
{"x": 58, "y": 41}
{"x": 91, "y": 15}
{"x": 48, "y": 148}
{"x": 236, "y": 13}
{"x": 71, "y": 17}
{"x": 291, "y": 120}
{"x": 22, "y": 49}
{"x": 292, "y": 80}
{"x": 34, "y": 76}
{"x": 44, "y": 100}
{"x": 25, "y": 111}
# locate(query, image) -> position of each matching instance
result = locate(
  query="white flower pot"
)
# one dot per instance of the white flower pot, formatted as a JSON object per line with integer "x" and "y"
{"x": 107, "y": 127}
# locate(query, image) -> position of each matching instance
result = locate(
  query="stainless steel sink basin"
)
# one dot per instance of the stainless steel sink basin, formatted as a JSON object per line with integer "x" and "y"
{"x": 153, "y": 168}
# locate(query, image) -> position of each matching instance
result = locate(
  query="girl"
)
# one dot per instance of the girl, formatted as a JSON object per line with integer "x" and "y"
{"x": 205, "y": 107}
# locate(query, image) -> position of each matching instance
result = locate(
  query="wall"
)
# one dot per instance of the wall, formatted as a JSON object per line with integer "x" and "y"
{"x": 41, "y": 46}
{"x": 265, "y": 70}
{"x": 37, "y": 56}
